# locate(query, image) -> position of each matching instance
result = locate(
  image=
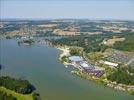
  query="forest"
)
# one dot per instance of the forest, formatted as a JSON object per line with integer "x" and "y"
{"x": 94, "y": 43}
{"x": 127, "y": 44}
{"x": 123, "y": 75}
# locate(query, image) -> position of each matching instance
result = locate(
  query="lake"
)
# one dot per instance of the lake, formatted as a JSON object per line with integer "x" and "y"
{"x": 40, "y": 65}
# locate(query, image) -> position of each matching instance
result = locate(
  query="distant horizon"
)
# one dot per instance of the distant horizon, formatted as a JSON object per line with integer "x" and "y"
{"x": 67, "y": 9}
{"x": 65, "y": 19}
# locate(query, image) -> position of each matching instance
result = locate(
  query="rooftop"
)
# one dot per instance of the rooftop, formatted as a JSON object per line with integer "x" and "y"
{"x": 84, "y": 64}
{"x": 75, "y": 58}
{"x": 111, "y": 64}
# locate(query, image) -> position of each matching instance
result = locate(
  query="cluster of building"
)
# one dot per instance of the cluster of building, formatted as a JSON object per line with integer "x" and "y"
{"x": 110, "y": 64}
{"x": 121, "y": 57}
{"x": 85, "y": 66}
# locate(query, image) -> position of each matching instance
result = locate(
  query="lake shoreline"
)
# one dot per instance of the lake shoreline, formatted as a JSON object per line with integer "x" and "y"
{"x": 121, "y": 87}
{"x": 45, "y": 62}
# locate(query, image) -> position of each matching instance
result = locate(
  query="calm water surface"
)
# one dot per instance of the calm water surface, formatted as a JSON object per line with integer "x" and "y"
{"x": 39, "y": 64}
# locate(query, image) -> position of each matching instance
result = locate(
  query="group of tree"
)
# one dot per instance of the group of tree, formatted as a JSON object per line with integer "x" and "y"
{"x": 76, "y": 51}
{"x": 94, "y": 43}
{"x": 90, "y": 43}
{"x": 127, "y": 44}
{"x": 64, "y": 59}
{"x": 17, "y": 85}
{"x": 123, "y": 75}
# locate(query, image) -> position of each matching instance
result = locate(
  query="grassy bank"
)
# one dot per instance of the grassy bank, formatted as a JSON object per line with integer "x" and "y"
{"x": 17, "y": 95}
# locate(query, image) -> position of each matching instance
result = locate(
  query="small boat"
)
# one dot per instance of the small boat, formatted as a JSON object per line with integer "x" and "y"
{"x": 66, "y": 66}
{"x": 72, "y": 71}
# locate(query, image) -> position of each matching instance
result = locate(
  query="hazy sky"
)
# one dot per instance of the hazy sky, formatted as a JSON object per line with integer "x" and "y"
{"x": 92, "y": 9}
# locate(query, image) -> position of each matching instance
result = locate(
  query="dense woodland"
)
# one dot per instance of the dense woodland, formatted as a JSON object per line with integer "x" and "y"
{"x": 93, "y": 43}
{"x": 88, "y": 43}
{"x": 123, "y": 75}
{"x": 17, "y": 85}
{"x": 127, "y": 44}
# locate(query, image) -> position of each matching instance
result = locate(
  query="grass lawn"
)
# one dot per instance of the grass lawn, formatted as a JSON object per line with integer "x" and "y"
{"x": 17, "y": 95}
